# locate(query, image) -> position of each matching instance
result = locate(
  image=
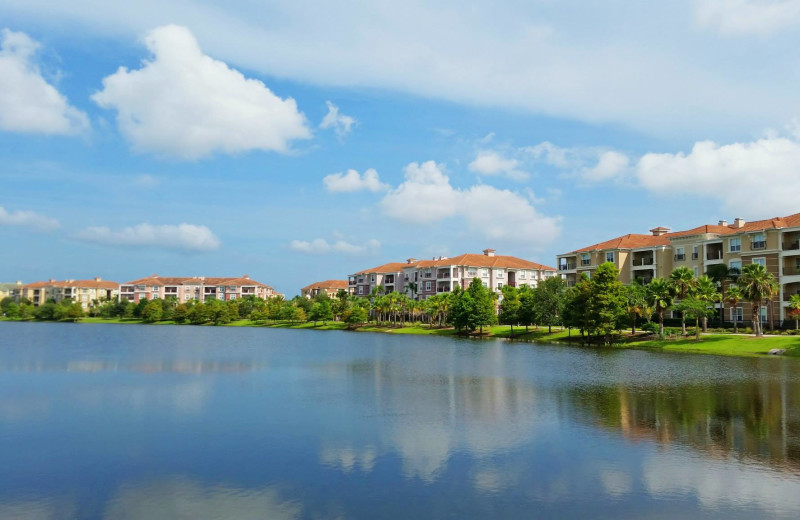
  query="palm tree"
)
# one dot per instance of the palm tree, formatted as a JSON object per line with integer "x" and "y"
{"x": 659, "y": 295}
{"x": 756, "y": 284}
{"x": 794, "y": 305}
{"x": 706, "y": 291}
{"x": 720, "y": 274}
{"x": 734, "y": 296}
{"x": 683, "y": 284}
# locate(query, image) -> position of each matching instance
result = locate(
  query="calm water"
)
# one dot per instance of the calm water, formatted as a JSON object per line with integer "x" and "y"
{"x": 112, "y": 421}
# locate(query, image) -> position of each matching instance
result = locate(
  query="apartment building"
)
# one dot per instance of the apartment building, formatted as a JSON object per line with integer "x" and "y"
{"x": 200, "y": 288}
{"x": 85, "y": 292}
{"x": 420, "y": 279}
{"x": 10, "y": 290}
{"x": 329, "y": 287}
{"x": 774, "y": 243}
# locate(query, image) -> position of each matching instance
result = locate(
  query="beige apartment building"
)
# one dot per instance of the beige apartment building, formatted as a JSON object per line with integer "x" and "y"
{"x": 774, "y": 243}
{"x": 329, "y": 287}
{"x": 85, "y": 292}
{"x": 194, "y": 288}
{"x": 420, "y": 279}
{"x": 10, "y": 290}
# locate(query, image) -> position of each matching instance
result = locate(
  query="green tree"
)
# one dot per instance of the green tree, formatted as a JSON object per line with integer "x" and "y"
{"x": 321, "y": 311}
{"x": 548, "y": 301}
{"x": 527, "y": 307}
{"x": 659, "y": 296}
{"x": 635, "y": 302}
{"x": 218, "y": 312}
{"x": 722, "y": 276}
{"x": 26, "y": 311}
{"x": 198, "y": 314}
{"x": 5, "y": 303}
{"x": 706, "y": 291}
{"x": 756, "y": 284}
{"x": 509, "y": 307}
{"x": 181, "y": 313}
{"x": 484, "y": 304}
{"x": 794, "y": 309}
{"x": 356, "y": 315}
{"x": 733, "y": 297}
{"x": 606, "y": 305}
{"x": 462, "y": 308}
{"x": 697, "y": 308}
{"x": 12, "y": 310}
{"x": 683, "y": 285}
{"x": 153, "y": 311}
{"x": 299, "y": 315}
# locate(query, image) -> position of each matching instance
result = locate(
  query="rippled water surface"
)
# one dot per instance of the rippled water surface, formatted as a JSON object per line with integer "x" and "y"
{"x": 150, "y": 422}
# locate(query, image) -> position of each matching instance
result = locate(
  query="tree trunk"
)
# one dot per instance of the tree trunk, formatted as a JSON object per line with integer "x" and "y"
{"x": 549, "y": 328}
{"x": 633, "y": 328}
{"x": 736, "y": 324}
{"x": 683, "y": 323}
{"x": 757, "y": 320}
{"x": 705, "y": 323}
{"x": 697, "y": 329}
{"x": 661, "y": 323}
{"x": 771, "y": 315}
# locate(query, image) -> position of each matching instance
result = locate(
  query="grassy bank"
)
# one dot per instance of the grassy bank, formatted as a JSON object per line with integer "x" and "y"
{"x": 718, "y": 344}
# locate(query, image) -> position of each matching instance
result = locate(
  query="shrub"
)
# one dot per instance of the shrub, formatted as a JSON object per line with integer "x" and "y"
{"x": 650, "y": 327}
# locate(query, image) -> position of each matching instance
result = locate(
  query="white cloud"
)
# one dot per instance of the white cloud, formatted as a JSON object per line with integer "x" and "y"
{"x": 28, "y": 103}
{"x": 183, "y": 237}
{"x": 321, "y": 246}
{"x": 489, "y": 162}
{"x": 760, "y": 177}
{"x": 760, "y": 17}
{"x": 184, "y": 103}
{"x": 590, "y": 164}
{"x": 342, "y": 124}
{"x": 427, "y": 196}
{"x": 353, "y": 181}
{"x": 27, "y": 219}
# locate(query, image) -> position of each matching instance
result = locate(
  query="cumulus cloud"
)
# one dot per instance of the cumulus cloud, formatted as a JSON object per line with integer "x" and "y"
{"x": 489, "y": 162}
{"x": 761, "y": 175}
{"x": 183, "y": 237}
{"x": 341, "y": 123}
{"x": 426, "y": 196}
{"x": 353, "y": 181}
{"x": 320, "y": 246}
{"x": 186, "y": 104}
{"x": 589, "y": 163}
{"x": 27, "y": 219}
{"x": 28, "y": 103}
{"x": 760, "y": 17}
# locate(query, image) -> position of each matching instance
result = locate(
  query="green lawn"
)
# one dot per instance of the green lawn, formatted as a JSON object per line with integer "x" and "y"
{"x": 727, "y": 345}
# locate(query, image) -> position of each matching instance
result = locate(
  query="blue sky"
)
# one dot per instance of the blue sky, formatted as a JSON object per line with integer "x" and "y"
{"x": 530, "y": 127}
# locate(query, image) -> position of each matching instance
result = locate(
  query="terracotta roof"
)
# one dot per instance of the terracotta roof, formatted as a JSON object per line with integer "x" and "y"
{"x": 630, "y": 241}
{"x": 469, "y": 260}
{"x": 327, "y": 284}
{"x": 196, "y": 280}
{"x": 701, "y": 230}
{"x": 81, "y": 284}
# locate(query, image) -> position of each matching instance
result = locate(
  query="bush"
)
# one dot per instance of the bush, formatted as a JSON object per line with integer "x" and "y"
{"x": 650, "y": 327}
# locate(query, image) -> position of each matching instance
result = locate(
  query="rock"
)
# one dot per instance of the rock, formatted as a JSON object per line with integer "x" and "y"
{"x": 777, "y": 352}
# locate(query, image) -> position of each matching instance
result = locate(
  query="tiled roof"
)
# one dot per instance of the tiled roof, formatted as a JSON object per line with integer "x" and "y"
{"x": 81, "y": 284}
{"x": 468, "y": 260}
{"x": 196, "y": 280}
{"x": 630, "y": 241}
{"x": 392, "y": 267}
{"x": 327, "y": 284}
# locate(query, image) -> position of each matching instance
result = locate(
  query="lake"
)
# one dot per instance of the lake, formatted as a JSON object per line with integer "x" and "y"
{"x": 150, "y": 422}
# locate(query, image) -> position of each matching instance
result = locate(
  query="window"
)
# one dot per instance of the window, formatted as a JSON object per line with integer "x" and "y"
{"x": 695, "y": 253}
{"x": 680, "y": 255}
{"x": 472, "y": 273}
{"x": 585, "y": 259}
{"x": 372, "y": 278}
{"x": 500, "y": 273}
{"x": 760, "y": 261}
{"x": 485, "y": 284}
{"x": 155, "y": 288}
{"x": 735, "y": 244}
{"x": 763, "y": 313}
{"x": 360, "y": 289}
{"x": 427, "y": 286}
{"x": 522, "y": 274}
{"x": 485, "y": 273}
{"x": 735, "y": 264}
{"x": 696, "y": 271}
{"x": 759, "y": 241}
{"x": 610, "y": 256}
{"x": 499, "y": 285}
{"x": 232, "y": 297}
{"x": 737, "y": 314}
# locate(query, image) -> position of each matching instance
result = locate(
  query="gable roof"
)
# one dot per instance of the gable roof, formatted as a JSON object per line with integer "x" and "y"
{"x": 327, "y": 284}
{"x": 466, "y": 260}
{"x": 80, "y": 284}
{"x": 196, "y": 280}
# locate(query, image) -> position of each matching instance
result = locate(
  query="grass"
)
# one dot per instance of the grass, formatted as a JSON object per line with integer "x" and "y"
{"x": 719, "y": 344}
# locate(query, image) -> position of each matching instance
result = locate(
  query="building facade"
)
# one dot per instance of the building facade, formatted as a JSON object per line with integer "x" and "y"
{"x": 85, "y": 292}
{"x": 421, "y": 279}
{"x": 774, "y": 243}
{"x": 329, "y": 287}
{"x": 199, "y": 288}
{"x": 10, "y": 290}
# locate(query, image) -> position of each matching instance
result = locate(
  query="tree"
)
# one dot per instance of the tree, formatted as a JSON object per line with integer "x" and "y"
{"x": 26, "y": 311}
{"x": 606, "y": 304}
{"x": 734, "y": 296}
{"x": 12, "y": 310}
{"x": 5, "y": 303}
{"x": 181, "y": 313}
{"x": 198, "y": 314}
{"x": 484, "y": 305}
{"x": 706, "y": 291}
{"x": 659, "y": 296}
{"x": 152, "y": 311}
{"x": 462, "y": 309}
{"x": 683, "y": 284}
{"x": 722, "y": 274}
{"x": 299, "y": 315}
{"x": 526, "y": 315}
{"x": 756, "y": 285}
{"x": 137, "y": 311}
{"x": 635, "y": 302}
{"x": 696, "y": 308}
{"x": 509, "y": 307}
{"x": 548, "y": 300}
{"x": 321, "y": 311}
{"x": 794, "y": 306}
{"x": 356, "y": 315}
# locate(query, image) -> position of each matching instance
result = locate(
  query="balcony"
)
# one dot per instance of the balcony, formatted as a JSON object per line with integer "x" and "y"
{"x": 566, "y": 267}
{"x": 442, "y": 276}
{"x": 637, "y": 262}
{"x": 791, "y": 271}
{"x": 714, "y": 255}
{"x": 791, "y": 246}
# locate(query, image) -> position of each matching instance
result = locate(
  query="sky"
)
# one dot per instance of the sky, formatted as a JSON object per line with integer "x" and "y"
{"x": 304, "y": 141}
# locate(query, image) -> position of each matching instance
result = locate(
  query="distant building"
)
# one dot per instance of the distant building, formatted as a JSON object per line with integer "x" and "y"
{"x": 85, "y": 292}
{"x": 420, "y": 279}
{"x": 194, "y": 288}
{"x": 329, "y": 287}
{"x": 10, "y": 290}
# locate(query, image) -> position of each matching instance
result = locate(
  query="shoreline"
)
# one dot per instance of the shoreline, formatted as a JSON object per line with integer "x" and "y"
{"x": 711, "y": 343}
